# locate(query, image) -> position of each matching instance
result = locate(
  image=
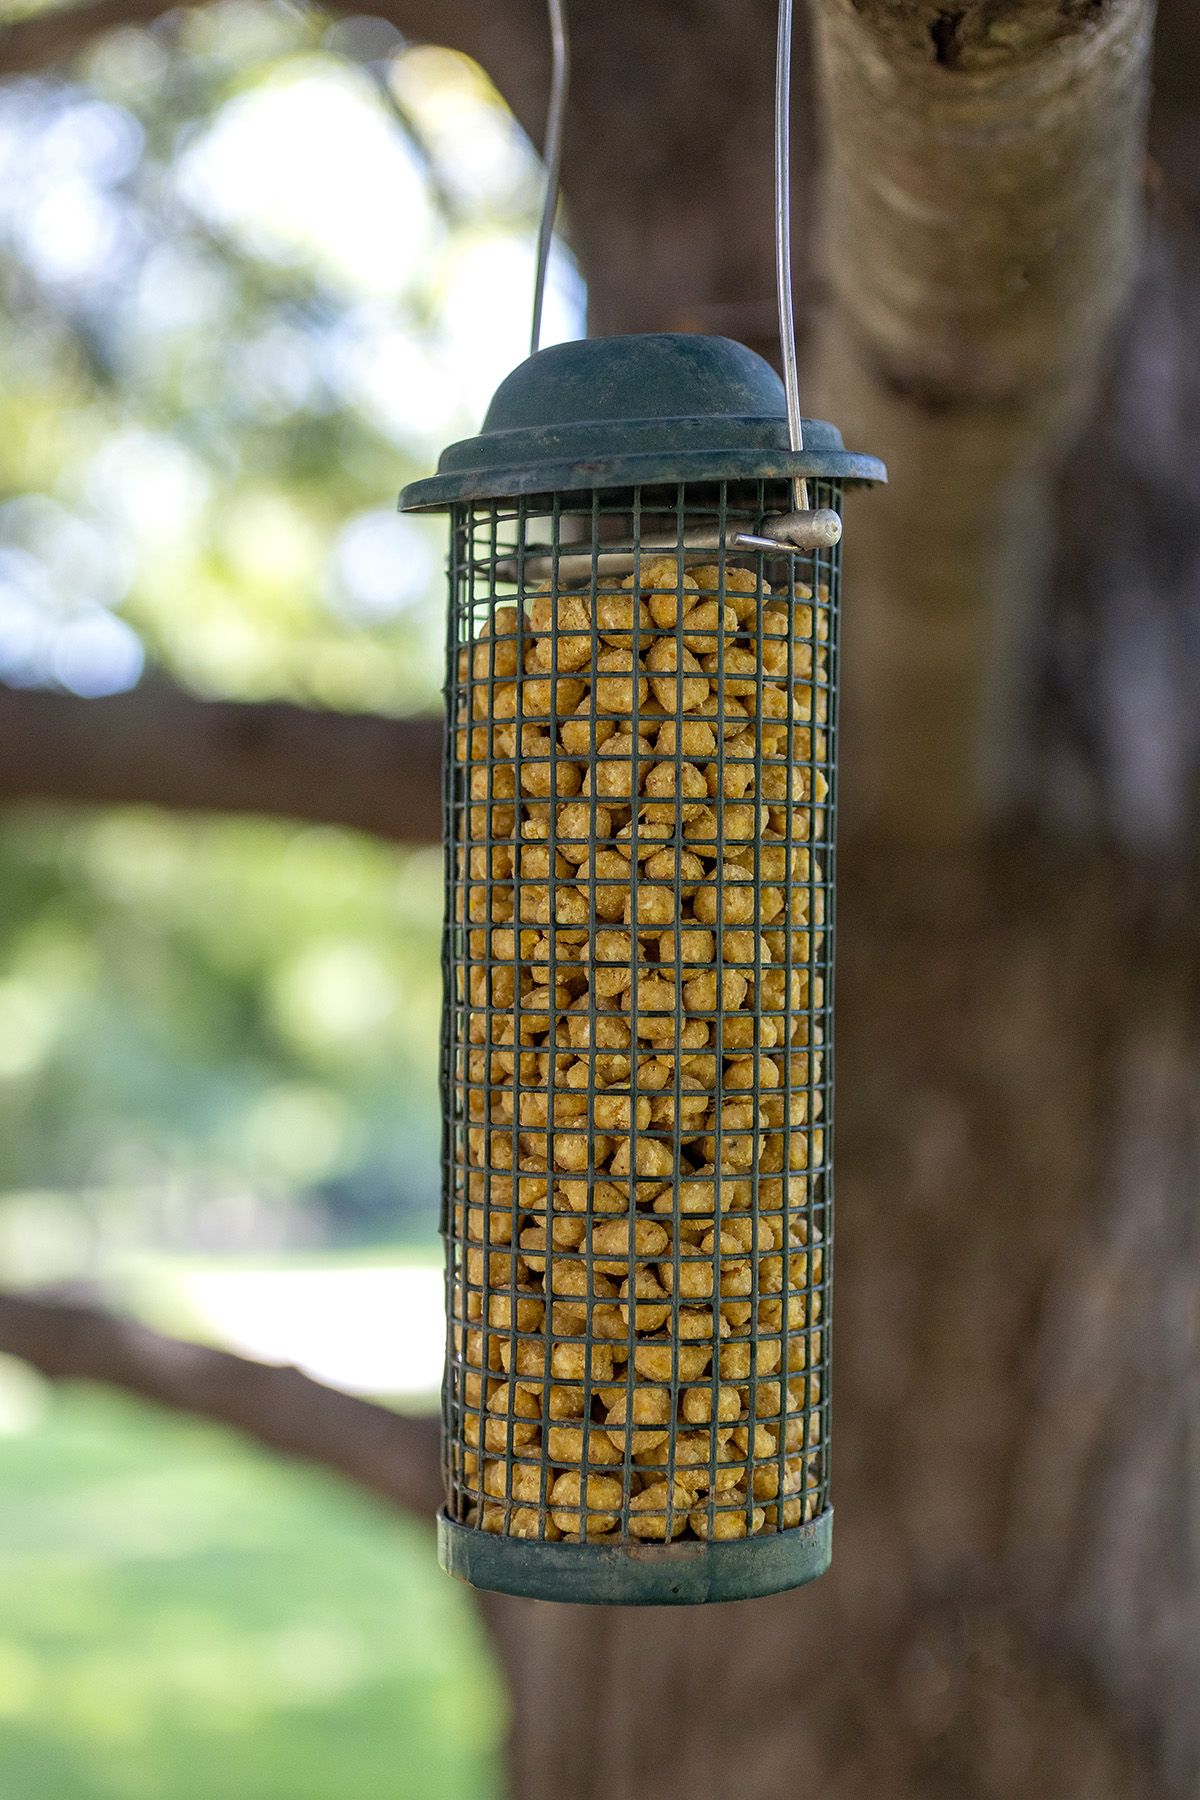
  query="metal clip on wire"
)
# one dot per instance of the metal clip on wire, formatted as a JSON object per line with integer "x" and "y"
{"x": 819, "y": 530}
{"x": 794, "y": 531}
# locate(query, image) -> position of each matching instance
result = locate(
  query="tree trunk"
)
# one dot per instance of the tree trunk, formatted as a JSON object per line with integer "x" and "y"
{"x": 981, "y": 224}
{"x": 159, "y": 746}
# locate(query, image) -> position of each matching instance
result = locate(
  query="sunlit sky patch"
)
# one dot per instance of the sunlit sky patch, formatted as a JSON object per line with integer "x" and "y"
{"x": 371, "y": 1330}
{"x": 309, "y": 167}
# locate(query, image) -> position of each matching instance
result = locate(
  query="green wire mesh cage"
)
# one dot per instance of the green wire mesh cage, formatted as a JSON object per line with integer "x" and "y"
{"x": 637, "y": 1071}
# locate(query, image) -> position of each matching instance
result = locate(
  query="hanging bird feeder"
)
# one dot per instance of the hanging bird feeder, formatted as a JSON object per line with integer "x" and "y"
{"x": 640, "y": 788}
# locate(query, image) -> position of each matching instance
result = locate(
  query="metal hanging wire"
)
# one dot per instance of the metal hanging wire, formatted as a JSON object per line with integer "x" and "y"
{"x": 801, "y": 529}
{"x": 783, "y": 236}
{"x": 560, "y": 77}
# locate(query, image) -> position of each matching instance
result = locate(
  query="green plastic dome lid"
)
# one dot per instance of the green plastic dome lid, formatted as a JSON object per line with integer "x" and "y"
{"x": 618, "y": 411}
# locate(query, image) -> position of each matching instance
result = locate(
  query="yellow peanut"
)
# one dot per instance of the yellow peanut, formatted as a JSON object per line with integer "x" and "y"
{"x": 650, "y": 1511}
{"x": 587, "y": 1511}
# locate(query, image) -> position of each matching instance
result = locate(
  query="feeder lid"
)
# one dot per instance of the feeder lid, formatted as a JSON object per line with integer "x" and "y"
{"x": 618, "y": 411}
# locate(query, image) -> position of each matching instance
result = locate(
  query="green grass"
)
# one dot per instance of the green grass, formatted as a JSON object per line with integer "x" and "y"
{"x": 185, "y": 1618}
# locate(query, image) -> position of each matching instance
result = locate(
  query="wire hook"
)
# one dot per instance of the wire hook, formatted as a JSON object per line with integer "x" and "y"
{"x": 783, "y": 236}
{"x": 560, "y": 77}
{"x": 800, "y": 529}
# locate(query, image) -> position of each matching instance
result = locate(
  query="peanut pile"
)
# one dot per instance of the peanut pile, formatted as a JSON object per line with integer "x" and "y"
{"x": 635, "y": 1060}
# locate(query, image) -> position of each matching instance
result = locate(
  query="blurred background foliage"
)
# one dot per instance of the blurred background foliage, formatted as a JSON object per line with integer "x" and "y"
{"x": 257, "y": 267}
{"x": 214, "y": 1034}
{"x": 183, "y": 1619}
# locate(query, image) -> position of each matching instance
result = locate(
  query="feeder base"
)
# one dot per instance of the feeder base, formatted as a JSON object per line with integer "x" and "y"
{"x": 637, "y": 1574}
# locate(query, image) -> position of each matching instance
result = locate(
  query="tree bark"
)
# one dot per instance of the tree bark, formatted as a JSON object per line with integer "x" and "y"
{"x": 159, "y": 746}
{"x": 981, "y": 224}
{"x": 1118, "y": 729}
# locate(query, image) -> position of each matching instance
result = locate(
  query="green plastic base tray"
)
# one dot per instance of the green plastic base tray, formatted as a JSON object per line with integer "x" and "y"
{"x": 639, "y": 1574}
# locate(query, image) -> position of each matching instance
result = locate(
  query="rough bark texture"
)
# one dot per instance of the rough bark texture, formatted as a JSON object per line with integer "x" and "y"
{"x": 161, "y": 746}
{"x": 981, "y": 227}
{"x": 1120, "y": 714}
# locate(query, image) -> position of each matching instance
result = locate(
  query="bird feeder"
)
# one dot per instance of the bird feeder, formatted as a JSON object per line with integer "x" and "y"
{"x": 637, "y": 1076}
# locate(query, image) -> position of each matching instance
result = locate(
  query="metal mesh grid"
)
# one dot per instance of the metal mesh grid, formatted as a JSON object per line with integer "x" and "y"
{"x": 637, "y": 1042}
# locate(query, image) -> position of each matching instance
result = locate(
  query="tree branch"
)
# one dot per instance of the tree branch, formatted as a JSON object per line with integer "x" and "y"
{"x": 511, "y": 41}
{"x": 161, "y": 746}
{"x": 389, "y": 1454}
